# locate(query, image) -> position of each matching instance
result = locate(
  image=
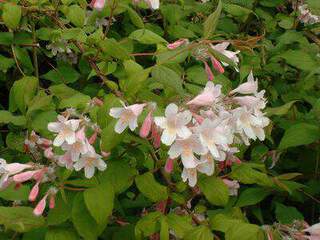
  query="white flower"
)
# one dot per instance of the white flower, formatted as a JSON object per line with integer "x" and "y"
{"x": 209, "y": 95}
{"x": 77, "y": 148}
{"x": 190, "y": 175}
{"x": 128, "y": 116}
{"x": 89, "y": 161}
{"x": 249, "y": 125}
{"x": 186, "y": 148}
{"x": 214, "y": 134}
{"x": 10, "y": 169}
{"x": 174, "y": 124}
{"x": 233, "y": 186}
{"x": 65, "y": 129}
{"x": 254, "y": 103}
{"x": 251, "y": 86}
{"x": 207, "y": 165}
{"x": 229, "y": 54}
{"x": 154, "y": 4}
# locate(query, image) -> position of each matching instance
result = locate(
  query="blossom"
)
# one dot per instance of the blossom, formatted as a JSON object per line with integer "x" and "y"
{"x": 146, "y": 126}
{"x": 89, "y": 161}
{"x": 153, "y": 4}
{"x": 314, "y": 231}
{"x": 221, "y": 47}
{"x": 208, "y": 96}
{"x": 169, "y": 165}
{"x": 233, "y": 186}
{"x": 177, "y": 43}
{"x": 251, "y": 86}
{"x": 97, "y": 4}
{"x": 213, "y": 134}
{"x": 208, "y": 71}
{"x": 80, "y": 146}
{"x": 186, "y": 149}
{"x": 128, "y": 116}
{"x": 252, "y": 102}
{"x": 10, "y": 169}
{"x": 65, "y": 129}
{"x": 216, "y": 65}
{"x": 190, "y": 175}
{"x": 249, "y": 125}
{"x": 207, "y": 164}
{"x": 174, "y": 124}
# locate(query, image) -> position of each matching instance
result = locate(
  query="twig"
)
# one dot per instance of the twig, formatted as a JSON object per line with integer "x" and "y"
{"x": 16, "y": 60}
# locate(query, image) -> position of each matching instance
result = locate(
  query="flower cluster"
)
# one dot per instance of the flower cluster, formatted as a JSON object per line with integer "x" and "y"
{"x": 207, "y": 129}
{"x": 306, "y": 16}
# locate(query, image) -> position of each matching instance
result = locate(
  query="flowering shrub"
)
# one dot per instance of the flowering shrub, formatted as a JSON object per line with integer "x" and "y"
{"x": 159, "y": 120}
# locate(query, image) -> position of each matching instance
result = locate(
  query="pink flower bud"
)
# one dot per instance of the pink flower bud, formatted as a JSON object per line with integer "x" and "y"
{"x": 97, "y": 4}
{"x": 198, "y": 118}
{"x": 146, "y": 126}
{"x": 105, "y": 154}
{"x": 217, "y": 65}
{"x": 34, "y": 192}
{"x": 155, "y": 136}
{"x": 39, "y": 174}
{"x": 176, "y": 44}
{"x": 48, "y": 153}
{"x": 52, "y": 201}
{"x": 208, "y": 71}
{"x": 40, "y": 206}
{"x": 44, "y": 142}
{"x": 14, "y": 168}
{"x": 97, "y": 101}
{"x": 169, "y": 165}
{"x": 23, "y": 177}
{"x": 81, "y": 135}
{"x": 93, "y": 138}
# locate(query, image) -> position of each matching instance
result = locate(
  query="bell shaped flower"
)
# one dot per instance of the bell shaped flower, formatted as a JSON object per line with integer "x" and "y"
{"x": 153, "y": 4}
{"x": 79, "y": 147}
{"x": 249, "y": 87}
{"x": 186, "y": 149}
{"x": 190, "y": 175}
{"x": 208, "y": 71}
{"x": 208, "y": 96}
{"x": 255, "y": 103}
{"x": 214, "y": 134}
{"x": 233, "y": 186}
{"x": 222, "y": 48}
{"x": 89, "y": 161}
{"x": 207, "y": 164}
{"x": 216, "y": 65}
{"x": 177, "y": 43}
{"x": 174, "y": 124}
{"x": 314, "y": 231}
{"x": 127, "y": 115}
{"x": 249, "y": 125}
{"x": 10, "y": 169}
{"x": 65, "y": 130}
{"x": 98, "y": 4}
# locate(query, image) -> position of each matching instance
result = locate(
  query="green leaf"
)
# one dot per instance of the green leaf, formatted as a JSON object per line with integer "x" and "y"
{"x": 11, "y": 15}
{"x": 299, "y": 134}
{"x": 114, "y": 49}
{"x": 237, "y": 11}
{"x": 20, "y": 219}
{"x": 300, "y": 59}
{"x": 287, "y": 215}
{"x": 102, "y": 196}
{"x": 164, "y": 229}
{"x": 282, "y": 110}
{"x": 61, "y": 234}
{"x": 7, "y": 117}
{"x": 12, "y": 194}
{"x": 62, "y": 74}
{"x": 109, "y": 138}
{"x": 78, "y": 100}
{"x": 244, "y": 231}
{"x": 180, "y": 224}
{"x": 146, "y": 36}
{"x": 211, "y": 22}
{"x": 22, "y": 93}
{"x": 135, "y": 18}
{"x": 62, "y": 210}
{"x": 168, "y": 78}
{"x": 84, "y": 223}
{"x": 252, "y": 196}
{"x": 150, "y": 188}
{"x": 5, "y": 63}
{"x": 147, "y": 225}
{"x": 120, "y": 174}
{"x": 76, "y": 15}
{"x": 199, "y": 233}
{"x": 215, "y": 191}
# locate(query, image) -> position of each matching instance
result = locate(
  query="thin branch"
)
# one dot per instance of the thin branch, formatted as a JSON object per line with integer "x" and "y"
{"x": 16, "y": 60}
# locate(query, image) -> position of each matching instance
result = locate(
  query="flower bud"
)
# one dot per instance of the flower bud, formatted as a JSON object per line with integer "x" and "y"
{"x": 176, "y": 44}
{"x": 34, "y": 192}
{"x": 40, "y": 206}
{"x": 146, "y": 126}
{"x": 217, "y": 65}
{"x": 169, "y": 165}
{"x": 97, "y": 4}
{"x": 208, "y": 71}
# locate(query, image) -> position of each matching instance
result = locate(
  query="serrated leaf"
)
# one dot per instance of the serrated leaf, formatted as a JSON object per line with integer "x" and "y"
{"x": 11, "y": 15}
{"x": 215, "y": 190}
{"x": 146, "y": 36}
{"x": 252, "y": 196}
{"x": 211, "y": 22}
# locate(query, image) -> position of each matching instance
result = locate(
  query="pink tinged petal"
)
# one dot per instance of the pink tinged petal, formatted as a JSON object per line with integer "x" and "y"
{"x": 105, "y": 154}
{"x": 169, "y": 165}
{"x": 97, "y": 101}
{"x": 175, "y": 151}
{"x": 58, "y": 141}
{"x": 190, "y": 175}
{"x": 89, "y": 171}
{"x": 40, "y": 206}
{"x": 101, "y": 165}
{"x": 93, "y": 138}
{"x": 171, "y": 110}
{"x": 203, "y": 99}
{"x": 168, "y": 137}
{"x": 120, "y": 126}
{"x": 79, "y": 164}
{"x": 38, "y": 175}
{"x": 70, "y": 137}
{"x": 55, "y": 127}
{"x": 133, "y": 124}
{"x": 116, "y": 112}
{"x": 146, "y": 126}
{"x": 137, "y": 108}
{"x": 154, "y": 4}
{"x": 48, "y": 153}
{"x": 176, "y": 44}
{"x": 34, "y": 192}
{"x": 184, "y": 117}
{"x": 52, "y": 201}
{"x": 216, "y": 65}
{"x": 14, "y": 168}
{"x": 97, "y": 4}
{"x": 198, "y": 118}
{"x": 160, "y": 122}
{"x": 221, "y": 46}
{"x": 208, "y": 71}
{"x": 184, "y": 132}
{"x": 23, "y": 177}
{"x": 188, "y": 159}
{"x": 81, "y": 135}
